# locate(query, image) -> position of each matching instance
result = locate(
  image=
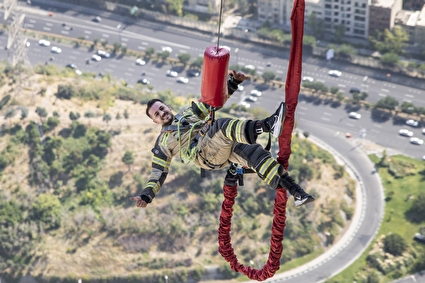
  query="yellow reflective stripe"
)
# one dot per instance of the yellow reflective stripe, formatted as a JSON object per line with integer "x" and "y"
{"x": 161, "y": 162}
{"x": 239, "y": 132}
{"x": 155, "y": 186}
{"x": 265, "y": 165}
{"x": 271, "y": 174}
{"x": 229, "y": 129}
{"x": 202, "y": 107}
{"x": 164, "y": 139}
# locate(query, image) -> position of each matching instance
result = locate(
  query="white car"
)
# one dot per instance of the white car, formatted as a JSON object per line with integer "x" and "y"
{"x": 78, "y": 72}
{"x": 256, "y": 93}
{"x": 244, "y": 104}
{"x": 308, "y": 79}
{"x": 182, "y": 80}
{"x": 423, "y": 131}
{"x": 27, "y": 44}
{"x": 143, "y": 81}
{"x": 334, "y": 73}
{"x": 241, "y": 87}
{"x": 417, "y": 141}
{"x": 412, "y": 123}
{"x": 250, "y": 67}
{"x": 96, "y": 58}
{"x": 140, "y": 62}
{"x": 173, "y": 74}
{"x": 56, "y": 50}
{"x": 354, "y": 115}
{"x": 167, "y": 48}
{"x": 44, "y": 42}
{"x": 405, "y": 133}
{"x": 103, "y": 54}
{"x": 251, "y": 99}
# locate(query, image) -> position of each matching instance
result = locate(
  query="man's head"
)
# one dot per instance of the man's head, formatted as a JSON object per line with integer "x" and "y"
{"x": 159, "y": 112}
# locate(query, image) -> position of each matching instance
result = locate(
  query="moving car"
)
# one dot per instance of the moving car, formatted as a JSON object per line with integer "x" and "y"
{"x": 354, "y": 115}
{"x": 405, "y": 133}
{"x": 97, "y": 19}
{"x": 182, "y": 80}
{"x": 241, "y": 87}
{"x": 143, "y": 81}
{"x": 412, "y": 123}
{"x": 250, "y": 67}
{"x": 244, "y": 104}
{"x": 256, "y": 93}
{"x": 103, "y": 54}
{"x": 167, "y": 48}
{"x": 44, "y": 42}
{"x": 416, "y": 141}
{"x": 140, "y": 62}
{"x": 78, "y": 72}
{"x": 251, "y": 99}
{"x": 308, "y": 79}
{"x": 334, "y": 73}
{"x": 56, "y": 50}
{"x": 193, "y": 73}
{"x": 173, "y": 74}
{"x": 355, "y": 89}
{"x": 72, "y": 66}
{"x": 96, "y": 58}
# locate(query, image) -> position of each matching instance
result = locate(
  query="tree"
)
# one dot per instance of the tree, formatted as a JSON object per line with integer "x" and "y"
{"x": 339, "y": 32}
{"x": 268, "y": 76}
{"x": 118, "y": 116}
{"x": 65, "y": 91}
{"x": 74, "y": 116}
{"x": 346, "y": 50}
{"x": 309, "y": 40}
{"x": 124, "y": 50}
{"x": 184, "y": 58}
{"x": 316, "y": 25}
{"x": 391, "y": 41}
{"x": 52, "y": 122}
{"x": 116, "y": 47}
{"x": 104, "y": 43}
{"x": 387, "y": 102}
{"x": 56, "y": 114}
{"x": 418, "y": 207}
{"x": 24, "y": 112}
{"x": 197, "y": 63}
{"x": 175, "y": 6}
{"x": 390, "y": 59}
{"x": 41, "y": 112}
{"x": 95, "y": 42}
{"x": 394, "y": 244}
{"x": 10, "y": 112}
{"x": 163, "y": 55}
{"x": 149, "y": 52}
{"x": 407, "y": 107}
{"x": 89, "y": 114}
{"x": 126, "y": 115}
{"x": 47, "y": 209}
{"x": 128, "y": 159}
{"x": 106, "y": 118}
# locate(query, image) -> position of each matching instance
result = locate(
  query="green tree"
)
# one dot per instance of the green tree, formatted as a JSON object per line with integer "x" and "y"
{"x": 47, "y": 209}
{"x": 387, "y": 102}
{"x": 65, "y": 91}
{"x": 175, "y": 7}
{"x": 10, "y": 112}
{"x": 106, "y": 118}
{"x": 95, "y": 42}
{"x": 418, "y": 208}
{"x": 163, "y": 55}
{"x": 128, "y": 159}
{"x": 316, "y": 25}
{"x": 52, "y": 122}
{"x": 56, "y": 114}
{"x": 391, "y": 41}
{"x": 124, "y": 50}
{"x": 126, "y": 115}
{"x": 184, "y": 58}
{"x": 339, "y": 32}
{"x": 390, "y": 59}
{"x": 394, "y": 244}
{"x": 334, "y": 90}
{"x": 346, "y": 50}
{"x": 268, "y": 76}
{"x": 24, "y": 112}
{"x": 197, "y": 63}
{"x": 149, "y": 52}
{"x": 104, "y": 42}
{"x": 89, "y": 114}
{"x": 41, "y": 112}
{"x": 116, "y": 47}
{"x": 309, "y": 40}
{"x": 74, "y": 116}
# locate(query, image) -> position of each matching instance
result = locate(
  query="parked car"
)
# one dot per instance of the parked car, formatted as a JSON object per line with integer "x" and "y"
{"x": 355, "y": 89}
{"x": 71, "y": 65}
{"x": 405, "y": 133}
{"x": 78, "y": 72}
{"x": 167, "y": 48}
{"x": 250, "y": 67}
{"x": 308, "y": 79}
{"x": 412, "y": 123}
{"x": 96, "y": 58}
{"x": 143, "y": 81}
{"x": 241, "y": 87}
{"x": 97, "y": 19}
{"x": 416, "y": 141}
{"x": 193, "y": 73}
{"x": 334, "y": 73}
{"x": 251, "y": 99}
{"x": 355, "y": 115}
{"x": 244, "y": 104}
{"x": 103, "y": 53}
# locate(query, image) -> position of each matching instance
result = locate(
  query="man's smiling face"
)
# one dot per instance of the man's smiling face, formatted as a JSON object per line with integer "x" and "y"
{"x": 160, "y": 113}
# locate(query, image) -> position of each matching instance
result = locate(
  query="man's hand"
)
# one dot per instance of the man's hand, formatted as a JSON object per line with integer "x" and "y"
{"x": 139, "y": 201}
{"x": 239, "y": 76}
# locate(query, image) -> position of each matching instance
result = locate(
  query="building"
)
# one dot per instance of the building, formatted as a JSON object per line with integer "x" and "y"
{"x": 382, "y": 15}
{"x": 210, "y": 7}
{"x": 413, "y": 5}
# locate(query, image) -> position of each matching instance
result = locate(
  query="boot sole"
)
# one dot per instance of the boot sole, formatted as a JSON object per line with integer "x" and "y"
{"x": 281, "y": 118}
{"x": 304, "y": 201}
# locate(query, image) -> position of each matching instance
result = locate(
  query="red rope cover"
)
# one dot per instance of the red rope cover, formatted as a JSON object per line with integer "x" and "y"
{"x": 292, "y": 89}
{"x": 276, "y": 246}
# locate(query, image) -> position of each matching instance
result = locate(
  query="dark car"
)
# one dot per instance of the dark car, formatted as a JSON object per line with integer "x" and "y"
{"x": 193, "y": 73}
{"x": 355, "y": 89}
{"x": 72, "y": 66}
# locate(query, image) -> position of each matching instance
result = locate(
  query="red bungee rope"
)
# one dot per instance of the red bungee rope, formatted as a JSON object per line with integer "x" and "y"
{"x": 292, "y": 89}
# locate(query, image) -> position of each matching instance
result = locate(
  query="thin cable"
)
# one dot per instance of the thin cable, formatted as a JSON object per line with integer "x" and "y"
{"x": 219, "y": 24}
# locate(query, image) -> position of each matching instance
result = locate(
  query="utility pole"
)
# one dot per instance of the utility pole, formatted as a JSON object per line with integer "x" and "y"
{"x": 17, "y": 40}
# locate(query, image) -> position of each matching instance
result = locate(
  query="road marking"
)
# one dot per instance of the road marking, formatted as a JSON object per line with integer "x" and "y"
{"x": 350, "y": 125}
{"x": 76, "y": 52}
{"x": 328, "y": 114}
{"x": 409, "y": 95}
{"x": 124, "y": 39}
{"x": 64, "y": 32}
{"x": 87, "y": 32}
{"x": 108, "y": 70}
{"x": 141, "y": 47}
{"x": 326, "y": 119}
{"x": 407, "y": 100}
{"x": 112, "y": 65}
{"x": 105, "y": 35}
{"x": 29, "y": 26}
{"x": 378, "y": 126}
{"x": 72, "y": 57}
{"x": 128, "y": 74}
{"x": 32, "y": 21}
{"x": 46, "y": 28}
{"x": 341, "y": 85}
{"x": 131, "y": 69}
{"x": 375, "y": 131}
{"x": 49, "y": 24}
{"x": 383, "y": 95}
{"x": 385, "y": 90}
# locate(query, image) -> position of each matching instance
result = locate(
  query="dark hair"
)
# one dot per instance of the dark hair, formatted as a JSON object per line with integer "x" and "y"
{"x": 149, "y": 105}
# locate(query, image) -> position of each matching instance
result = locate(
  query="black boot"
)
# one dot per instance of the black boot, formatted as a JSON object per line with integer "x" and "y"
{"x": 300, "y": 196}
{"x": 274, "y": 123}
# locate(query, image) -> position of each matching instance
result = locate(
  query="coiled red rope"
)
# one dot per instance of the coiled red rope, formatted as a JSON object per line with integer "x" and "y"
{"x": 292, "y": 89}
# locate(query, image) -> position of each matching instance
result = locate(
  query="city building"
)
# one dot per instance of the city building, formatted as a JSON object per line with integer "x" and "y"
{"x": 413, "y": 5}
{"x": 382, "y": 15}
{"x": 210, "y": 7}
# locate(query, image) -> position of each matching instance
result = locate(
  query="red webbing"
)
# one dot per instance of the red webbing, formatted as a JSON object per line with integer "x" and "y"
{"x": 276, "y": 246}
{"x": 292, "y": 89}
{"x": 293, "y": 81}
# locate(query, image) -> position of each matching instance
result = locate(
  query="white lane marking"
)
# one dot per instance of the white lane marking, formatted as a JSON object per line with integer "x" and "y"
{"x": 87, "y": 31}
{"x": 46, "y": 28}
{"x": 385, "y": 90}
